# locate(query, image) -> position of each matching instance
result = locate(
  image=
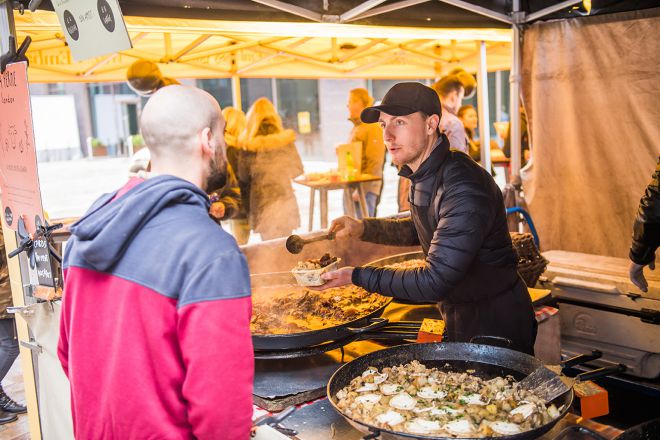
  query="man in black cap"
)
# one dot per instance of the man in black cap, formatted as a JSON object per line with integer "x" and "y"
{"x": 457, "y": 216}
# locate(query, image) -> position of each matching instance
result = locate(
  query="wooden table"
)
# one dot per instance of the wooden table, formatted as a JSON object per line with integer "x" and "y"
{"x": 500, "y": 160}
{"x": 323, "y": 186}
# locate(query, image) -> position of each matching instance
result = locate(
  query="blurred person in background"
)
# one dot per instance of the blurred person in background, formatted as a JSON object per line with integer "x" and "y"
{"x": 238, "y": 159}
{"x": 274, "y": 163}
{"x": 450, "y": 89}
{"x": 524, "y": 138}
{"x": 8, "y": 341}
{"x": 646, "y": 232}
{"x": 468, "y": 116}
{"x": 373, "y": 151}
{"x": 467, "y": 79}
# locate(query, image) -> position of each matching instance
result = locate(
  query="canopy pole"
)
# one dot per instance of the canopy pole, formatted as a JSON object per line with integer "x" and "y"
{"x": 482, "y": 104}
{"x": 514, "y": 97}
{"x": 236, "y": 92}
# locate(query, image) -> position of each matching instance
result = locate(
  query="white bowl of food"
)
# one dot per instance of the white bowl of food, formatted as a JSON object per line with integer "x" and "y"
{"x": 308, "y": 272}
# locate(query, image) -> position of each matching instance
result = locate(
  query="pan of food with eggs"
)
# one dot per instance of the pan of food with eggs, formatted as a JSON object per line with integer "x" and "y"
{"x": 287, "y": 316}
{"x": 443, "y": 390}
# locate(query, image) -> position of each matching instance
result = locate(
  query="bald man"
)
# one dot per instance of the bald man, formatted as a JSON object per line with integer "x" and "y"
{"x": 154, "y": 333}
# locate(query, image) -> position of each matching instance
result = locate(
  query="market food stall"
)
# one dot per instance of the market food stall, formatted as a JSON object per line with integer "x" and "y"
{"x": 187, "y": 46}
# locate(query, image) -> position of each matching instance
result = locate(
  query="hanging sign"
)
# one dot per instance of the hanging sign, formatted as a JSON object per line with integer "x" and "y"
{"x": 18, "y": 158}
{"x": 22, "y": 210}
{"x": 92, "y": 27}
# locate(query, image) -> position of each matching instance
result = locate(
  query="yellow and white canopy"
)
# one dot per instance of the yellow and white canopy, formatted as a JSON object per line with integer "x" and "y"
{"x": 186, "y": 48}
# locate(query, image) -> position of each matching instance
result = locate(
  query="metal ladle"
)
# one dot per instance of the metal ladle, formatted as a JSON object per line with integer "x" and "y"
{"x": 295, "y": 243}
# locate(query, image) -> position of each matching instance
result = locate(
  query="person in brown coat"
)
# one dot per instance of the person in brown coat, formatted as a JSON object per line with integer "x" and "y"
{"x": 274, "y": 162}
{"x": 373, "y": 150}
{"x": 8, "y": 341}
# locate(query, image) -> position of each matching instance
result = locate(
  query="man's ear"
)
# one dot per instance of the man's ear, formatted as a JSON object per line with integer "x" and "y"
{"x": 432, "y": 123}
{"x": 206, "y": 142}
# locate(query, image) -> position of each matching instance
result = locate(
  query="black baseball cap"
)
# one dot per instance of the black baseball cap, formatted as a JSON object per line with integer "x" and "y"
{"x": 404, "y": 99}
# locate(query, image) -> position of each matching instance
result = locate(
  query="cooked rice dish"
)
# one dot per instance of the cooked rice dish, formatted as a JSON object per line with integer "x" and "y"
{"x": 298, "y": 310}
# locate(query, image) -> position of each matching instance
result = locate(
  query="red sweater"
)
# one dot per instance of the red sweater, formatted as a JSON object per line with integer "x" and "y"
{"x": 155, "y": 332}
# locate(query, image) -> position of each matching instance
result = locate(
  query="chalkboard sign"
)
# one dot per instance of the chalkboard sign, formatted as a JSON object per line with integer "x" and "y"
{"x": 43, "y": 264}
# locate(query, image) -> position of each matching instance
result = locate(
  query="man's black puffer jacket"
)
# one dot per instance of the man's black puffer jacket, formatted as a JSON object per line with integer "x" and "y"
{"x": 459, "y": 219}
{"x": 646, "y": 230}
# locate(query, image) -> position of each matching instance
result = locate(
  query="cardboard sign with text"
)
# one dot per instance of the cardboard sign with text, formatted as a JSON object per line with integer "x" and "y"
{"x": 19, "y": 180}
{"x": 92, "y": 28}
{"x": 18, "y": 157}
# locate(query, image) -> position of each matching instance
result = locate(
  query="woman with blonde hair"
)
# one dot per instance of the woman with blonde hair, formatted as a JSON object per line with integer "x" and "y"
{"x": 238, "y": 159}
{"x": 273, "y": 163}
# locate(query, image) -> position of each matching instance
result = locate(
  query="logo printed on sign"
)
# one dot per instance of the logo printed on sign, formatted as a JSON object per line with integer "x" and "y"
{"x": 71, "y": 25}
{"x": 92, "y": 28}
{"x": 9, "y": 216}
{"x": 105, "y": 13}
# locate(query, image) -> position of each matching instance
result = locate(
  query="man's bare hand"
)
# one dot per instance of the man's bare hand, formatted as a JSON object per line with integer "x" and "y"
{"x": 356, "y": 196}
{"x": 217, "y": 210}
{"x": 637, "y": 275}
{"x": 336, "y": 278}
{"x": 347, "y": 227}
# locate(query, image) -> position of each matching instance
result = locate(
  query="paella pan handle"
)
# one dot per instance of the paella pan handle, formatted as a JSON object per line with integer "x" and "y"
{"x": 372, "y": 324}
{"x": 601, "y": 372}
{"x": 497, "y": 341}
{"x": 581, "y": 359}
{"x": 578, "y": 431}
{"x": 373, "y": 434}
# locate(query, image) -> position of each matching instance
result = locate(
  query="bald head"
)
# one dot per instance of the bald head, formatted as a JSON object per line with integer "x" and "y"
{"x": 174, "y": 117}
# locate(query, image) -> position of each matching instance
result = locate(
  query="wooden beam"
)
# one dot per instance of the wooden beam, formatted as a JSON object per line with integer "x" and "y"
{"x": 232, "y": 48}
{"x": 167, "y": 37}
{"x": 373, "y": 63}
{"x": 299, "y": 42}
{"x": 333, "y": 53}
{"x": 261, "y": 61}
{"x": 361, "y": 49}
{"x": 199, "y": 40}
{"x": 111, "y": 57}
{"x": 302, "y": 58}
{"x": 208, "y": 67}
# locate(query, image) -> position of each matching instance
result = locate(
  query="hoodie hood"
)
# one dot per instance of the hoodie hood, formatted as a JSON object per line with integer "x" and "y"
{"x": 105, "y": 231}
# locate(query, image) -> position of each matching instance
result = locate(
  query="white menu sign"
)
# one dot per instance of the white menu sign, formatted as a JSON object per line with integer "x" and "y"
{"x": 92, "y": 27}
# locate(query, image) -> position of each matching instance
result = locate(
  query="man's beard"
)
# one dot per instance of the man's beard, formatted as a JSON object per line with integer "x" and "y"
{"x": 217, "y": 176}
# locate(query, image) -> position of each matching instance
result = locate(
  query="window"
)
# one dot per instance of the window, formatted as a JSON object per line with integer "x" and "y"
{"x": 298, "y": 95}
{"x": 56, "y": 88}
{"x": 220, "y": 88}
{"x": 253, "y": 89}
